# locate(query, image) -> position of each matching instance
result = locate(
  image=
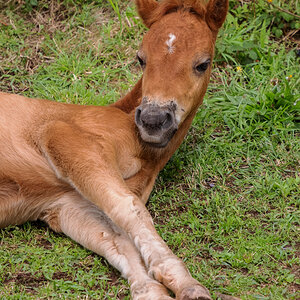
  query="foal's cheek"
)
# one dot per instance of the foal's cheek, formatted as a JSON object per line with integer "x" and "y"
{"x": 196, "y": 93}
{"x": 192, "y": 100}
{"x": 202, "y": 85}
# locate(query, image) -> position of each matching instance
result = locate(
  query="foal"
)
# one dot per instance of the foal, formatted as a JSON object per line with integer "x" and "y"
{"x": 88, "y": 171}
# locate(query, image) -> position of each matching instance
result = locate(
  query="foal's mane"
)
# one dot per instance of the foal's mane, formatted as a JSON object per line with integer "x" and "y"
{"x": 165, "y": 7}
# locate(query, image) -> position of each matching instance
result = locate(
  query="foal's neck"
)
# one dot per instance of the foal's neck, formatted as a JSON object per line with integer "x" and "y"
{"x": 131, "y": 100}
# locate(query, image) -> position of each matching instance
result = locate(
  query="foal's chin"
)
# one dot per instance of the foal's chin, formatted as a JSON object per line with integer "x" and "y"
{"x": 158, "y": 140}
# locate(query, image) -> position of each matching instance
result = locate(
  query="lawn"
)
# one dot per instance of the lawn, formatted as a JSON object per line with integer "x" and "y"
{"x": 227, "y": 202}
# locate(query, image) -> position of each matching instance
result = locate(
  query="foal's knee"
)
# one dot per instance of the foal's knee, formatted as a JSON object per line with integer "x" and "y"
{"x": 52, "y": 217}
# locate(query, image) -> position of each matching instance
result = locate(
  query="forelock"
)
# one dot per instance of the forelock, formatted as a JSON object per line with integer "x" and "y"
{"x": 196, "y": 7}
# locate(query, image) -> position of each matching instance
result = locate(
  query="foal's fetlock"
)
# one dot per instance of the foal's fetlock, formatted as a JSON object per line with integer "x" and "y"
{"x": 194, "y": 292}
{"x": 173, "y": 274}
{"x": 166, "y": 270}
{"x": 149, "y": 290}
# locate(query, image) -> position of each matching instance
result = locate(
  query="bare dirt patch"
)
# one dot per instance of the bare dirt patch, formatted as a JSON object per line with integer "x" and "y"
{"x": 62, "y": 275}
{"x": 28, "y": 280}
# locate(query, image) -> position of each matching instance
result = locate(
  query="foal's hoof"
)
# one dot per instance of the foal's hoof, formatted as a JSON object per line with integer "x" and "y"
{"x": 194, "y": 292}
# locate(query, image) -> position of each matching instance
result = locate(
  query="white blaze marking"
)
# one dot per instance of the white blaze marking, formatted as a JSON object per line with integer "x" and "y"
{"x": 170, "y": 42}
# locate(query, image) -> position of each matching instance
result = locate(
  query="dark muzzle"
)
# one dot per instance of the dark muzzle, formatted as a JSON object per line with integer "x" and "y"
{"x": 156, "y": 123}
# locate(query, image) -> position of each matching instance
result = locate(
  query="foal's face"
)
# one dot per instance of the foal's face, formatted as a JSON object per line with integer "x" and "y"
{"x": 176, "y": 56}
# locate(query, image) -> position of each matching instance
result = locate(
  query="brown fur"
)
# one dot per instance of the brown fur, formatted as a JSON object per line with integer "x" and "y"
{"x": 166, "y": 7}
{"x": 86, "y": 170}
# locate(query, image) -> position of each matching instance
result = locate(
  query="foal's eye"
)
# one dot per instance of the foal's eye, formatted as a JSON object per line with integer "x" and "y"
{"x": 202, "y": 67}
{"x": 141, "y": 61}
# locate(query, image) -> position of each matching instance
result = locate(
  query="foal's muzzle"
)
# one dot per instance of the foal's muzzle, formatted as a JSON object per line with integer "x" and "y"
{"x": 156, "y": 123}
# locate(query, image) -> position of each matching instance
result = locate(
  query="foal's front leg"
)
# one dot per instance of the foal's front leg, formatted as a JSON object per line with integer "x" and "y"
{"x": 90, "y": 167}
{"x": 81, "y": 220}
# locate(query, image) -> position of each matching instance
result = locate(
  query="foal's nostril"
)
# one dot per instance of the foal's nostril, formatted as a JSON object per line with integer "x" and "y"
{"x": 167, "y": 122}
{"x": 138, "y": 116}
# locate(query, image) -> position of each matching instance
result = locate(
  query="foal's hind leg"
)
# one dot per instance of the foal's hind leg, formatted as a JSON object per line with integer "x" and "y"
{"x": 12, "y": 210}
{"x": 86, "y": 224}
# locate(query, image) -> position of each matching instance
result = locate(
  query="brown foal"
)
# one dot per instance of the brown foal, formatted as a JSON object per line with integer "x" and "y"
{"x": 88, "y": 171}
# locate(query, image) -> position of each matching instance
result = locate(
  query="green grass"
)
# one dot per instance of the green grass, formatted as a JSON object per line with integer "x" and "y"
{"x": 227, "y": 203}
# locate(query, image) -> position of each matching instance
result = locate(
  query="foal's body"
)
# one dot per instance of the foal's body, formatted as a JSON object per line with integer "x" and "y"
{"x": 88, "y": 171}
{"x": 32, "y": 187}
{"x": 109, "y": 128}
{"x": 21, "y": 157}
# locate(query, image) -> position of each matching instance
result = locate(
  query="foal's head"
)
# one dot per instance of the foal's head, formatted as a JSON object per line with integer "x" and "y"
{"x": 176, "y": 56}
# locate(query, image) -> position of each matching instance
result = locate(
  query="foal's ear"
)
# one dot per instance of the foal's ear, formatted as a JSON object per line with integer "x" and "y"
{"x": 145, "y": 9}
{"x": 216, "y": 11}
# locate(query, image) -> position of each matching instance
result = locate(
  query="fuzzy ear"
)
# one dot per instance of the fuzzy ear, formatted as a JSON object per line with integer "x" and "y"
{"x": 216, "y": 11}
{"x": 145, "y": 9}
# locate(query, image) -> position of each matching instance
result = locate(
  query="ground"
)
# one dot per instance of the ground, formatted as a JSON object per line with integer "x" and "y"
{"x": 227, "y": 203}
